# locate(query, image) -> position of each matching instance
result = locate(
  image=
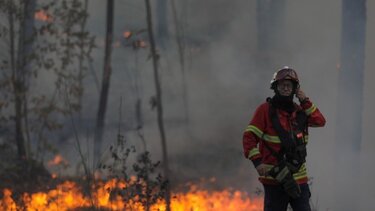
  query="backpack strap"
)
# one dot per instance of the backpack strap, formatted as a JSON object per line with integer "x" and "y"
{"x": 293, "y": 146}
{"x": 286, "y": 138}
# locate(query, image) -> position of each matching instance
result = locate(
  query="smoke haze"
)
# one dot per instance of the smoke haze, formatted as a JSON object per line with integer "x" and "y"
{"x": 224, "y": 88}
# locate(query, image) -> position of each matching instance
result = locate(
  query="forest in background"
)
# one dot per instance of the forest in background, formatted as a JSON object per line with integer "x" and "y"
{"x": 79, "y": 74}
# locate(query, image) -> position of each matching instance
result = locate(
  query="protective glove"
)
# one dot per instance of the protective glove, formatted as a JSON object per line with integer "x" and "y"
{"x": 283, "y": 175}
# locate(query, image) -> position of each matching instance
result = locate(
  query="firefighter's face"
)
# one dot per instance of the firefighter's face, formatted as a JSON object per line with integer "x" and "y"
{"x": 285, "y": 87}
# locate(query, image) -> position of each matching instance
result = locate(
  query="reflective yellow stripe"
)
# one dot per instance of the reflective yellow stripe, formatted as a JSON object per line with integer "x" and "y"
{"x": 310, "y": 110}
{"x": 297, "y": 177}
{"x": 255, "y": 130}
{"x": 266, "y": 137}
{"x": 262, "y": 135}
{"x": 301, "y": 173}
{"x": 272, "y": 139}
{"x": 253, "y": 152}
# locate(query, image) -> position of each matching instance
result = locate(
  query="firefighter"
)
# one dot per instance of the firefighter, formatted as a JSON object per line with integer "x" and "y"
{"x": 275, "y": 141}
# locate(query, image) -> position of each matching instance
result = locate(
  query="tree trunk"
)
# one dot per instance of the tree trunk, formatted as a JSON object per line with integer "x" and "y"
{"x": 159, "y": 102}
{"x": 162, "y": 23}
{"x": 350, "y": 104}
{"x": 181, "y": 54}
{"x": 82, "y": 56}
{"x": 17, "y": 87}
{"x": 105, "y": 84}
{"x": 25, "y": 50}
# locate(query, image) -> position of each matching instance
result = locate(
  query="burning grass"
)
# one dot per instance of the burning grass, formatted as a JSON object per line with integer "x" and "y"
{"x": 124, "y": 187}
{"x": 69, "y": 195}
{"x": 33, "y": 189}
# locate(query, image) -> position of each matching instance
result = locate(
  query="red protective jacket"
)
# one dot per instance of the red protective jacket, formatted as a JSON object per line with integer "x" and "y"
{"x": 260, "y": 130}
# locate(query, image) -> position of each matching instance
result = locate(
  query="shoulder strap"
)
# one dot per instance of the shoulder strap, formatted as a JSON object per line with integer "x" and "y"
{"x": 287, "y": 140}
{"x": 301, "y": 120}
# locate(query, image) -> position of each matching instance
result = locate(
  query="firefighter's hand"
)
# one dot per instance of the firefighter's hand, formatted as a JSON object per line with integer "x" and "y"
{"x": 262, "y": 170}
{"x": 300, "y": 95}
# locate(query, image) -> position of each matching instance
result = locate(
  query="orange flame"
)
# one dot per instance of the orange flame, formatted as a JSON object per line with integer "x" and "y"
{"x": 68, "y": 196}
{"x": 7, "y": 203}
{"x": 43, "y": 16}
{"x": 58, "y": 160}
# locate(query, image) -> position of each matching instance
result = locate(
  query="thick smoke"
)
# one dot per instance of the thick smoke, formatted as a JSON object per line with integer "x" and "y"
{"x": 224, "y": 88}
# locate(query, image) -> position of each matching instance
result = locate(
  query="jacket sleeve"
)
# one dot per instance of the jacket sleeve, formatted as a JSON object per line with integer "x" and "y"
{"x": 253, "y": 134}
{"x": 315, "y": 117}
